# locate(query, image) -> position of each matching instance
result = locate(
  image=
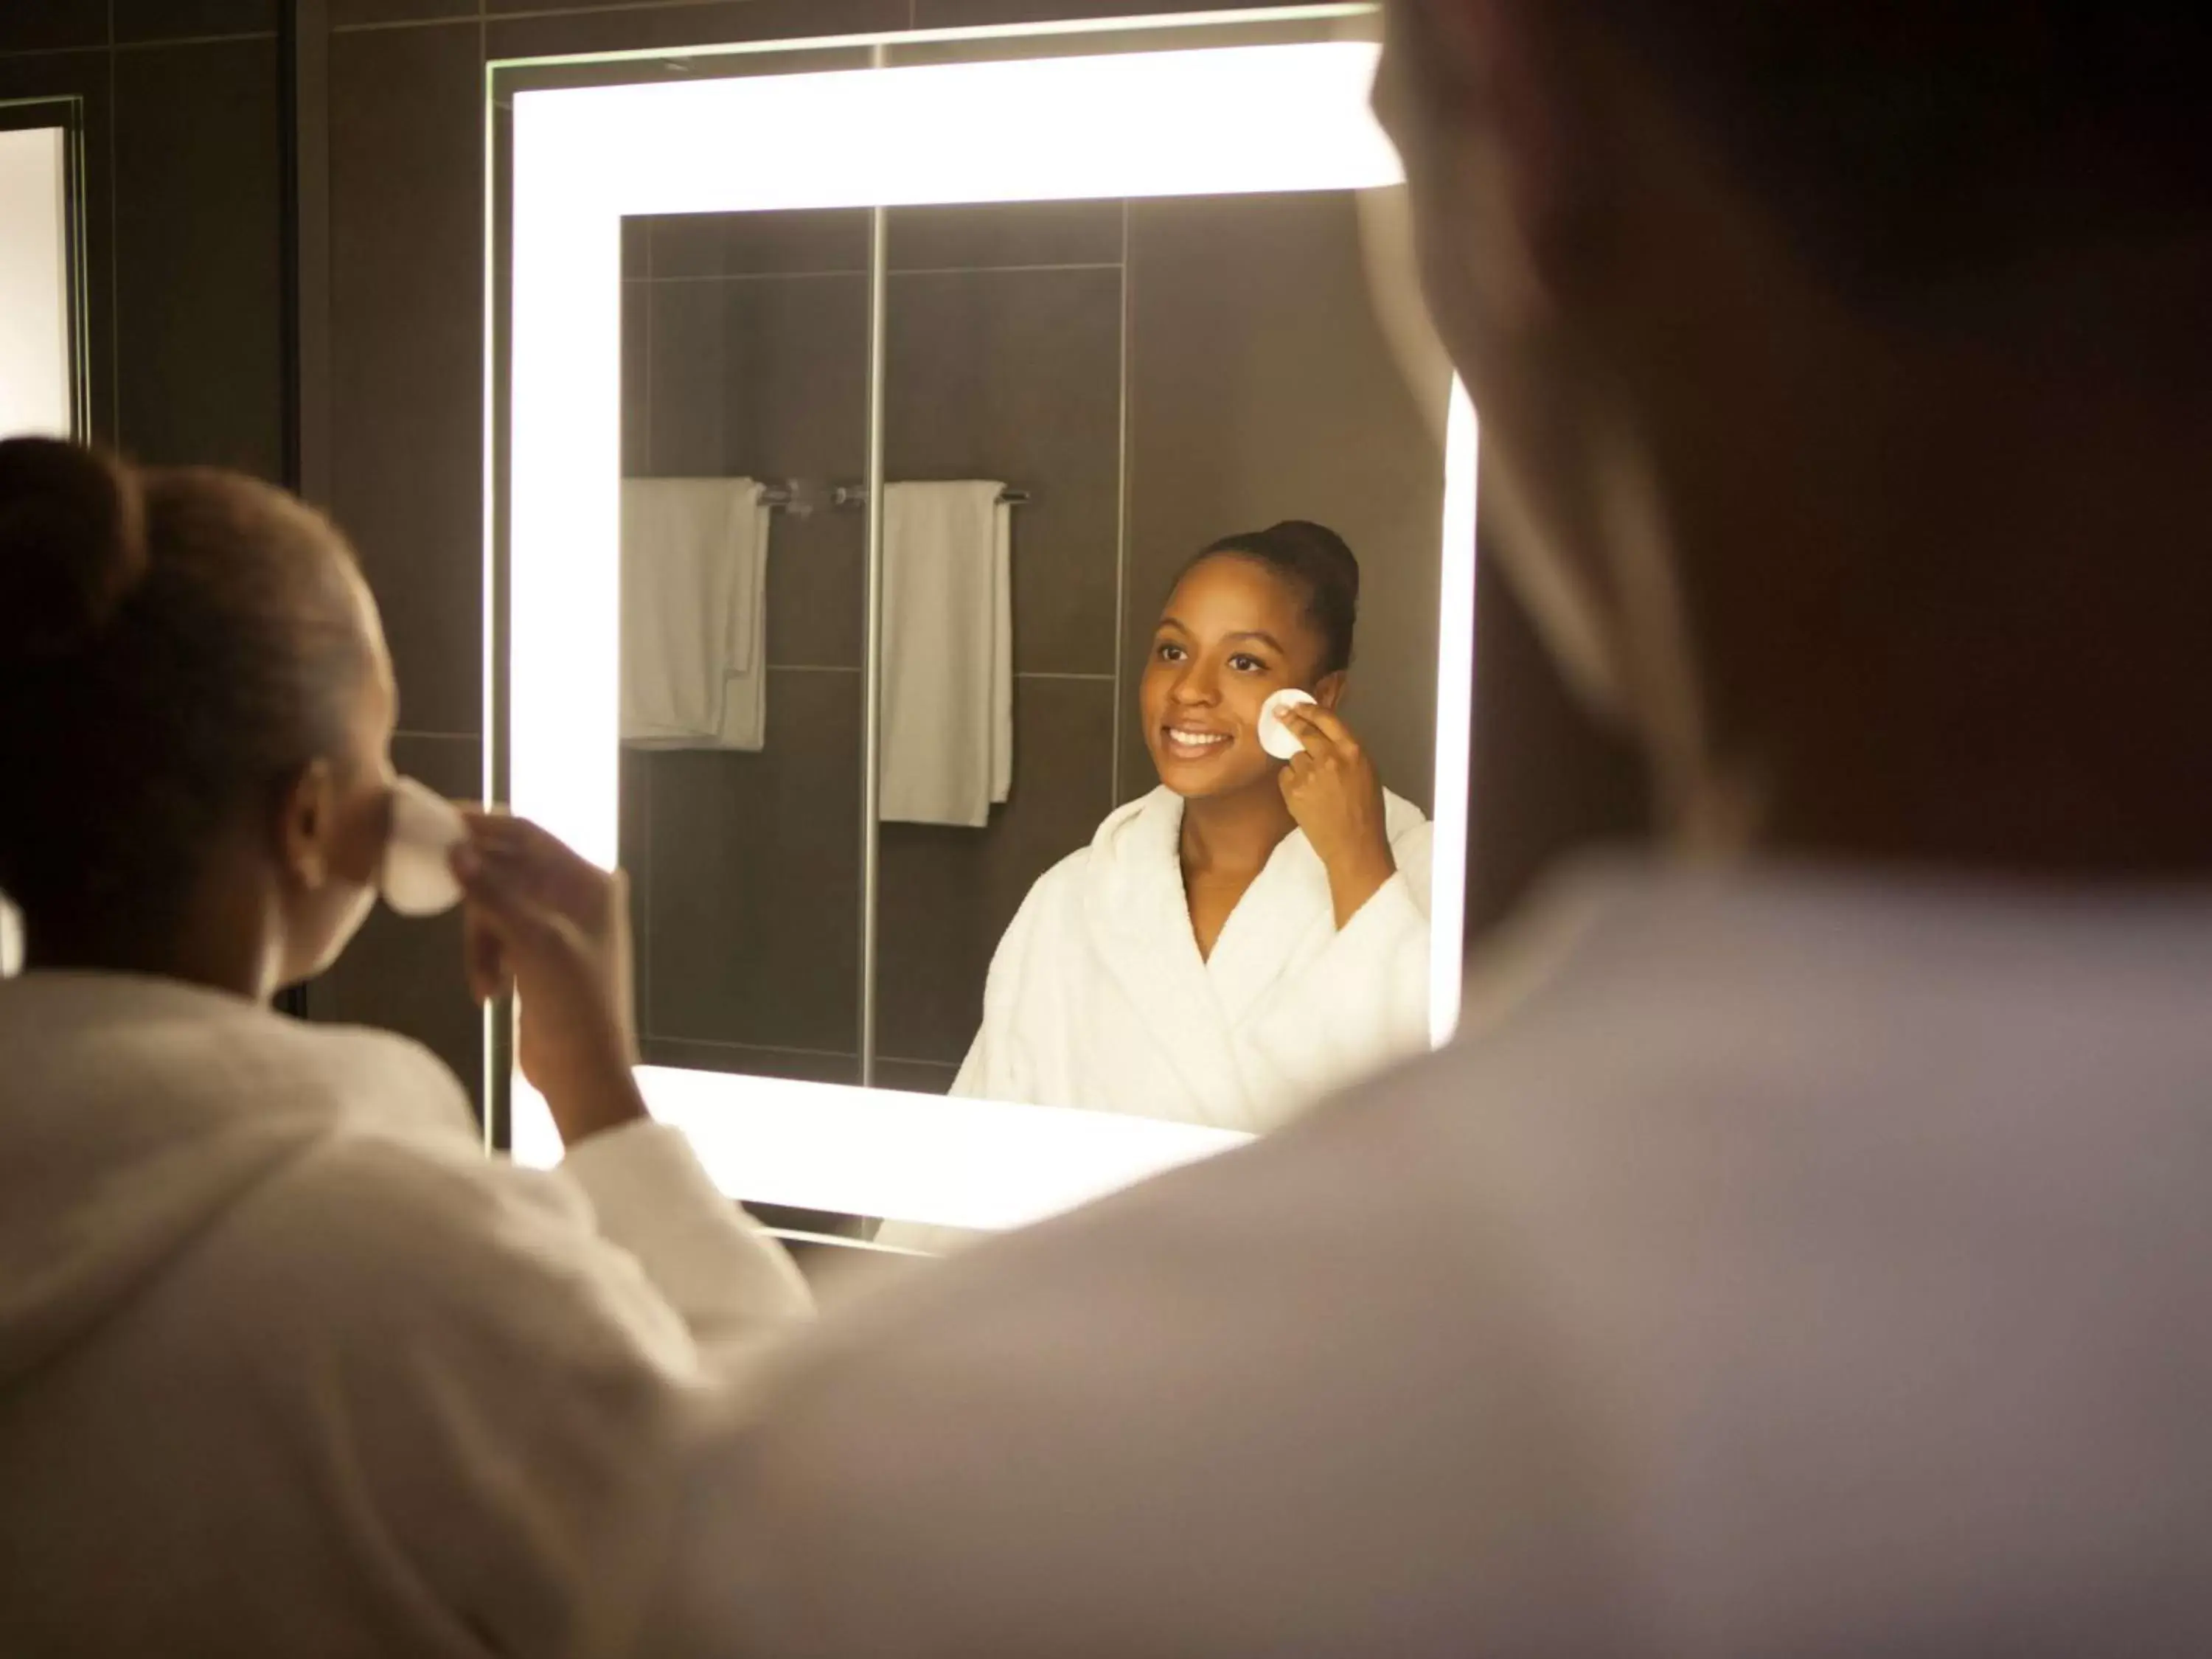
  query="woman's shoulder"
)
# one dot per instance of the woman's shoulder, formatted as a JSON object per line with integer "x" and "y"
{"x": 100, "y": 1035}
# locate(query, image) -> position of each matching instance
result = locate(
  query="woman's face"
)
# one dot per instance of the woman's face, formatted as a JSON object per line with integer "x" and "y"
{"x": 1232, "y": 633}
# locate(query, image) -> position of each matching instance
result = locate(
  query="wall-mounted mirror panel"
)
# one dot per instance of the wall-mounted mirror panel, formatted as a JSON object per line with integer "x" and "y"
{"x": 855, "y": 602}
{"x": 1122, "y": 383}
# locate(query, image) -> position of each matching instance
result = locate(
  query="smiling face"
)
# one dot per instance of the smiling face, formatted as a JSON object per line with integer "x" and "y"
{"x": 1231, "y": 634}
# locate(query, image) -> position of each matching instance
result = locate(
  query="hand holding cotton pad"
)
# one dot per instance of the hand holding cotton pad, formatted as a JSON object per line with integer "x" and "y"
{"x": 1277, "y": 738}
{"x": 417, "y": 877}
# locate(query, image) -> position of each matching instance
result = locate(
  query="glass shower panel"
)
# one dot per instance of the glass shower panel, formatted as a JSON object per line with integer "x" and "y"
{"x": 745, "y": 378}
{"x": 1131, "y": 381}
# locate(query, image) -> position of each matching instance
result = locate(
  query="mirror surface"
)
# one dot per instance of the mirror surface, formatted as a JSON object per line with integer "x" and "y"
{"x": 1079, "y": 397}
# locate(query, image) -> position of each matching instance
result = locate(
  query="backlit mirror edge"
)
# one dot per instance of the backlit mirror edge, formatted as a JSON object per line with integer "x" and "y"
{"x": 581, "y": 162}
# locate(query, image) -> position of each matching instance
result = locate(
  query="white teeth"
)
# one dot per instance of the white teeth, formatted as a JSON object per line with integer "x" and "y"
{"x": 1197, "y": 739}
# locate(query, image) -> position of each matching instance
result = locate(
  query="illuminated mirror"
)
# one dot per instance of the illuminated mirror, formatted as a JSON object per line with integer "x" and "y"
{"x": 861, "y": 403}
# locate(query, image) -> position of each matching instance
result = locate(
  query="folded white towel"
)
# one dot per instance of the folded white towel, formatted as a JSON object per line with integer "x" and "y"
{"x": 948, "y": 730}
{"x": 694, "y": 613}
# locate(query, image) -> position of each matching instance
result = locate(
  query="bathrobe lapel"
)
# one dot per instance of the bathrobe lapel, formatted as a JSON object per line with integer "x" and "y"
{"x": 1274, "y": 925}
{"x": 1139, "y": 919}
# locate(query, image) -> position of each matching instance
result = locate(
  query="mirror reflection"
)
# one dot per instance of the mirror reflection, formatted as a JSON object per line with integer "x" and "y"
{"x": 1147, "y": 463}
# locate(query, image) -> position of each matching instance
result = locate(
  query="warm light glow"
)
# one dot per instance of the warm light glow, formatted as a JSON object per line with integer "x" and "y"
{"x": 1454, "y": 718}
{"x": 34, "y": 364}
{"x": 1186, "y": 123}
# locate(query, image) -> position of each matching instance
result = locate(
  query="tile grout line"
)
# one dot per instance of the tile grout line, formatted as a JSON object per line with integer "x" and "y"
{"x": 194, "y": 40}
{"x": 386, "y": 25}
{"x": 911, "y": 270}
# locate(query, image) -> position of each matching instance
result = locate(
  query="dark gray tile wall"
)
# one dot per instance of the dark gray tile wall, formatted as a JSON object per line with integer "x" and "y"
{"x": 139, "y": 20}
{"x": 53, "y": 25}
{"x": 406, "y": 108}
{"x": 345, "y": 13}
{"x": 199, "y": 254}
{"x": 751, "y": 876}
{"x": 946, "y": 895}
{"x": 624, "y": 29}
{"x": 407, "y": 325}
{"x": 1016, "y": 375}
{"x": 749, "y": 334}
{"x": 1263, "y": 390}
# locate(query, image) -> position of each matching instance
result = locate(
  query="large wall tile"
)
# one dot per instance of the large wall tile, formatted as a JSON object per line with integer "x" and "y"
{"x": 766, "y": 377}
{"x": 1262, "y": 390}
{"x": 140, "y": 20}
{"x": 947, "y": 894}
{"x": 53, "y": 25}
{"x": 918, "y": 1077}
{"x": 406, "y": 311}
{"x": 1000, "y": 234}
{"x": 635, "y": 27}
{"x": 349, "y": 12}
{"x": 760, "y": 243}
{"x": 199, "y": 255}
{"x": 752, "y": 875}
{"x": 404, "y": 973}
{"x": 1016, "y": 376}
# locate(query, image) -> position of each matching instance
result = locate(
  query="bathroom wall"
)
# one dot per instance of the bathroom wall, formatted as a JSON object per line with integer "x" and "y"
{"x": 1234, "y": 337}
{"x": 184, "y": 232}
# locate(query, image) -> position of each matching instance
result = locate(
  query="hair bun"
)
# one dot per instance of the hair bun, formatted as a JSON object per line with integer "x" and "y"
{"x": 72, "y": 545}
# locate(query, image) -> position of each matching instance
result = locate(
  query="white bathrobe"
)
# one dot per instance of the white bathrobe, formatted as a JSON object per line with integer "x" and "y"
{"x": 1098, "y": 998}
{"x": 1780, "y": 1263}
{"x": 289, "y": 1366}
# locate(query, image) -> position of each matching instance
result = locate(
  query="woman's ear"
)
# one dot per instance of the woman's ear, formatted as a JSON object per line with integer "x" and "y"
{"x": 308, "y": 825}
{"x": 1328, "y": 689}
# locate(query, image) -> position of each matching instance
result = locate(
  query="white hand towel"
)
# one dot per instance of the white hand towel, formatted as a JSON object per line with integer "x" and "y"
{"x": 694, "y": 587}
{"x": 948, "y": 736}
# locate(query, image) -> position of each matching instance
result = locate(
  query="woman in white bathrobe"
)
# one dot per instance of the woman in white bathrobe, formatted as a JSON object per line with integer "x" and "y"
{"x": 1250, "y": 935}
{"x": 288, "y": 1365}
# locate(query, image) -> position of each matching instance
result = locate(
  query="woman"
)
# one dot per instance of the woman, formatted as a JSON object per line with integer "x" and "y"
{"x": 287, "y": 1364}
{"x": 1250, "y": 934}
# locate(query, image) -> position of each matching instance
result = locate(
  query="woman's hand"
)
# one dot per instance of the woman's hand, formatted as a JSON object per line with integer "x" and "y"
{"x": 554, "y": 928}
{"x": 1336, "y": 797}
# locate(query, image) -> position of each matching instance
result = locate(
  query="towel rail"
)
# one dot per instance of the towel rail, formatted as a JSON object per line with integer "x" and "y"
{"x": 790, "y": 496}
{"x": 857, "y": 496}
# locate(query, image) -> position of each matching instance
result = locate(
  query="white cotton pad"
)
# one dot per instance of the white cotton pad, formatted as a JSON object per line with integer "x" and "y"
{"x": 1275, "y": 738}
{"x": 417, "y": 877}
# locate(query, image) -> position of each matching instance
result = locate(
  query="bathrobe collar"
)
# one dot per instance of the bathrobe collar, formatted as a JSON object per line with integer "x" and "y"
{"x": 1139, "y": 917}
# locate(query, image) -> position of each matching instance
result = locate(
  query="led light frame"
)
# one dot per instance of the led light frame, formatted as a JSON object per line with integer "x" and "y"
{"x": 1212, "y": 121}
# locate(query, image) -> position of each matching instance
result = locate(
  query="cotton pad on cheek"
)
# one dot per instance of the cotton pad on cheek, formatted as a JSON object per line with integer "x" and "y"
{"x": 1277, "y": 738}
{"x": 417, "y": 876}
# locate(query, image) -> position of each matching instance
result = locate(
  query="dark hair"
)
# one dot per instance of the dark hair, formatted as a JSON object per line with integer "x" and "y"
{"x": 1909, "y": 142}
{"x": 1315, "y": 558}
{"x": 171, "y": 643}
